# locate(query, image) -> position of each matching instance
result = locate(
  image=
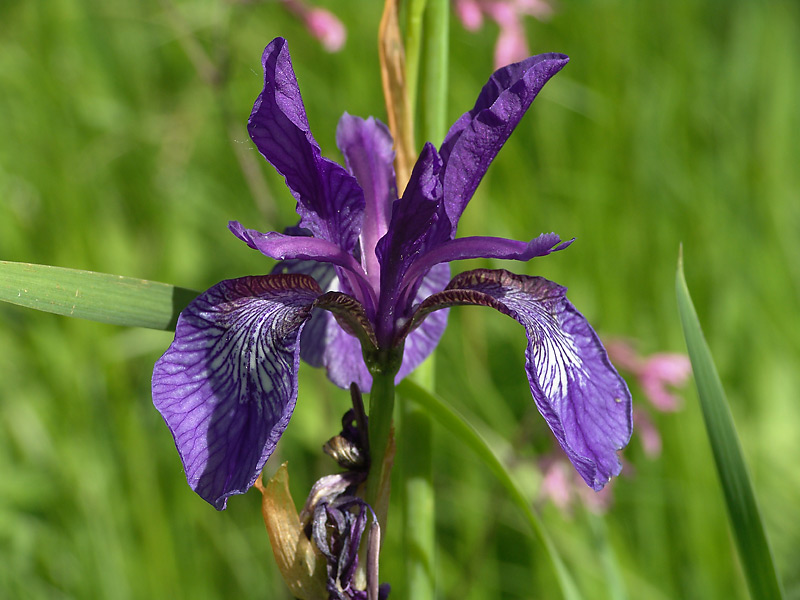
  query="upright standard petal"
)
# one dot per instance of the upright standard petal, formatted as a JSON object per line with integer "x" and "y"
{"x": 576, "y": 389}
{"x": 368, "y": 153}
{"x": 475, "y": 139}
{"x": 329, "y": 200}
{"x": 227, "y": 385}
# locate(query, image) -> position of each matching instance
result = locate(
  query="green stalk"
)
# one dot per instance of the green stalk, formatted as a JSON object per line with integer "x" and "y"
{"x": 381, "y": 407}
{"x": 413, "y": 49}
{"x": 436, "y": 44}
{"x": 419, "y": 498}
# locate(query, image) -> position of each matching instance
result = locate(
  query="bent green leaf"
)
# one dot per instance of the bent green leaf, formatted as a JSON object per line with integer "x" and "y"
{"x": 94, "y": 296}
{"x": 450, "y": 419}
{"x": 740, "y": 500}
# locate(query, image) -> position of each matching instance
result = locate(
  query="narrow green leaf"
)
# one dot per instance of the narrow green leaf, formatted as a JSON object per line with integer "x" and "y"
{"x": 450, "y": 419}
{"x": 419, "y": 500}
{"x": 740, "y": 500}
{"x": 415, "y": 9}
{"x": 436, "y": 44}
{"x": 94, "y": 296}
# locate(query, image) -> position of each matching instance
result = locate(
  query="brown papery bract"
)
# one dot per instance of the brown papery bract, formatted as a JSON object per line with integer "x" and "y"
{"x": 302, "y": 566}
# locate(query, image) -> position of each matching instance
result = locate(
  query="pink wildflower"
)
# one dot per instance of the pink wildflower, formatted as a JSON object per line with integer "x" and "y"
{"x": 321, "y": 24}
{"x": 655, "y": 374}
{"x": 511, "y": 45}
{"x": 561, "y": 487}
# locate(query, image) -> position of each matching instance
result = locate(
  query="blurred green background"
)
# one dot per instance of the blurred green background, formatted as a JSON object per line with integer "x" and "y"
{"x": 123, "y": 149}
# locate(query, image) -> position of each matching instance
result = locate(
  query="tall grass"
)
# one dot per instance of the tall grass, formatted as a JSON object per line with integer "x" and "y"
{"x": 123, "y": 149}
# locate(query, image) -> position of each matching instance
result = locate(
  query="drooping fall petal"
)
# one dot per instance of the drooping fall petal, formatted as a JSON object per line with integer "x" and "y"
{"x": 576, "y": 389}
{"x": 227, "y": 385}
{"x": 302, "y": 566}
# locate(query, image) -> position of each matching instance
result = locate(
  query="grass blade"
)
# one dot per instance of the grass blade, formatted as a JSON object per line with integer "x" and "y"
{"x": 94, "y": 296}
{"x": 451, "y": 420}
{"x": 743, "y": 512}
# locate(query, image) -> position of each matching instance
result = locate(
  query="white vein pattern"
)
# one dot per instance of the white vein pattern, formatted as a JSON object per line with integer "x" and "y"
{"x": 582, "y": 397}
{"x": 575, "y": 387}
{"x": 228, "y": 384}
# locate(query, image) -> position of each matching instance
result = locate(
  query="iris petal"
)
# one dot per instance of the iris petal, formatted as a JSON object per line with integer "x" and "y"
{"x": 323, "y": 342}
{"x": 305, "y": 248}
{"x": 329, "y": 200}
{"x": 576, "y": 389}
{"x": 367, "y": 148}
{"x": 486, "y": 247}
{"x": 288, "y": 247}
{"x": 424, "y": 339}
{"x": 475, "y": 139}
{"x": 227, "y": 385}
{"x": 418, "y": 219}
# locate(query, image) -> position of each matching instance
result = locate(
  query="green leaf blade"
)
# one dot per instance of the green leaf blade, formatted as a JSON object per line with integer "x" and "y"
{"x": 100, "y": 297}
{"x": 449, "y": 418}
{"x": 743, "y": 512}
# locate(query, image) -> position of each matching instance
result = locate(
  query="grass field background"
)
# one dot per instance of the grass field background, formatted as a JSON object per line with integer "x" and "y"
{"x": 123, "y": 149}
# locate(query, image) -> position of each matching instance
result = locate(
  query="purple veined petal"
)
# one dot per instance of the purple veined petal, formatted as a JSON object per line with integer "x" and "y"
{"x": 329, "y": 200}
{"x": 477, "y": 136}
{"x": 340, "y": 354}
{"x": 323, "y": 273}
{"x": 323, "y": 343}
{"x": 227, "y": 385}
{"x": 485, "y": 247}
{"x": 306, "y": 248}
{"x": 369, "y": 155}
{"x": 576, "y": 389}
{"x": 312, "y": 340}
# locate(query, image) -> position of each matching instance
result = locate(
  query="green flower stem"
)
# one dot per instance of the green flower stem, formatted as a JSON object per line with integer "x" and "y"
{"x": 419, "y": 504}
{"x": 381, "y": 407}
{"x": 427, "y": 31}
{"x": 413, "y": 48}
{"x": 436, "y": 44}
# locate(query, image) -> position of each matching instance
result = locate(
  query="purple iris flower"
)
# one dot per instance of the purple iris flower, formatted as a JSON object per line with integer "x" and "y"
{"x": 361, "y": 288}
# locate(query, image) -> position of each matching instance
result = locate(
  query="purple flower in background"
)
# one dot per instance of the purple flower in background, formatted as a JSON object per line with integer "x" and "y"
{"x": 361, "y": 286}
